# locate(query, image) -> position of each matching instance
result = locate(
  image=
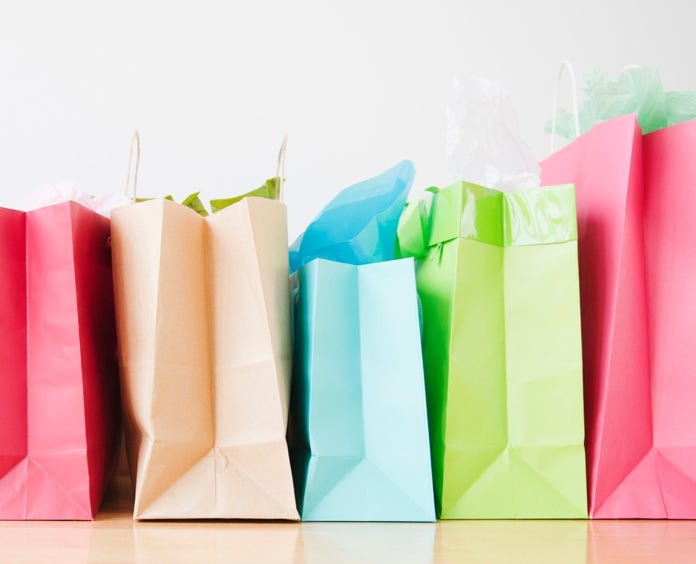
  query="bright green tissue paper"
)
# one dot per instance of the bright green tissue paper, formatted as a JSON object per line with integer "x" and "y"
{"x": 270, "y": 189}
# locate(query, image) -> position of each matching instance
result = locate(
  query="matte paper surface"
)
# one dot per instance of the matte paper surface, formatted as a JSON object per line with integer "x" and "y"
{"x": 203, "y": 314}
{"x": 59, "y": 405}
{"x": 360, "y": 433}
{"x": 636, "y": 207}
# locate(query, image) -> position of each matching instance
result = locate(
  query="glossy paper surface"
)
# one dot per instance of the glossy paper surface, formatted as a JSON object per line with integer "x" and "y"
{"x": 204, "y": 328}
{"x": 502, "y": 352}
{"x": 59, "y": 402}
{"x": 360, "y": 430}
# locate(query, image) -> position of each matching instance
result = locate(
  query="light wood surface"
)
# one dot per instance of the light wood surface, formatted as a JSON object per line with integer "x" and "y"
{"x": 114, "y": 537}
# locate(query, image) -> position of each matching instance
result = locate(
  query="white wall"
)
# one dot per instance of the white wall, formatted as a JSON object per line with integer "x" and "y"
{"x": 358, "y": 84}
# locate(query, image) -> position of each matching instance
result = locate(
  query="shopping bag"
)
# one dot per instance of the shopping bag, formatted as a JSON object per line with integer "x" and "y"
{"x": 362, "y": 450}
{"x": 636, "y": 278}
{"x": 666, "y": 477}
{"x": 606, "y": 165}
{"x": 636, "y": 240}
{"x": 359, "y": 424}
{"x": 59, "y": 406}
{"x": 497, "y": 276}
{"x": 203, "y": 319}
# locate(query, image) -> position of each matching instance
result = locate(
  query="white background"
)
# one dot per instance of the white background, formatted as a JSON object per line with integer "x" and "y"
{"x": 358, "y": 85}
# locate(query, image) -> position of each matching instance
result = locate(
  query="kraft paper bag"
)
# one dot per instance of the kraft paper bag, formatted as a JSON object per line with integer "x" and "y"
{"x": 636, "y": 239}
{"x": 203, "y": 319}
{"x": 59, "y": 404}
{"x": 360, "y": 447}
{"x": 497, "y": 275}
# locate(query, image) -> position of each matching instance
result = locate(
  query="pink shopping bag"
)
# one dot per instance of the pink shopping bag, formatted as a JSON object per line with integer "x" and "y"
{"x": 59, "y": 402}
{"x": 636, "y": 197}
{"x": 667, "y": 475}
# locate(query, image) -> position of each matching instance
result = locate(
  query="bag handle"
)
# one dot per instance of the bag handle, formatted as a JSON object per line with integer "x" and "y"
{"x": 135, "y": 142}
{"x": 566, "y": 65}
{"x": 280, "y": 168}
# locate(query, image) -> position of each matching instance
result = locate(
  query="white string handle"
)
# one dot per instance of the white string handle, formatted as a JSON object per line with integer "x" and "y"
{"x": 565, "y": 66}
{"x": 135, "y": 142}
{"x": 280, "y": 169}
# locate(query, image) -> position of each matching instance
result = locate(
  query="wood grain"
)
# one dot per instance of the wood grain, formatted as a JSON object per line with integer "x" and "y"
{"x": 114, "y": 537}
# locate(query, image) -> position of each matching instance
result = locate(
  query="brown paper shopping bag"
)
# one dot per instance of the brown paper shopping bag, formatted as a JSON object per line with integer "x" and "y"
{"x": 203, "y": 320}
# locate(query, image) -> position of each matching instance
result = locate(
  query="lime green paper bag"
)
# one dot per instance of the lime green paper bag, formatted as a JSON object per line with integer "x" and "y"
{"x": 497, "y": 273}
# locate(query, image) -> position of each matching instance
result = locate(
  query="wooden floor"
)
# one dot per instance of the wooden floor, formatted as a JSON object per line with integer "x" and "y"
{"x": 114, "y": 537}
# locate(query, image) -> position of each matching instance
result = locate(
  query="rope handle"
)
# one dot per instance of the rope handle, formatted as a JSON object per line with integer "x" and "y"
{"x": 565, "y": 66}
{"x": 135, "y": 143}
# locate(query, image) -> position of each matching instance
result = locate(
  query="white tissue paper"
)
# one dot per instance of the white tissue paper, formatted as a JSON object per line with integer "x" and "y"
{"x": 484, "y": 145}
{"x": 50, "y": 194}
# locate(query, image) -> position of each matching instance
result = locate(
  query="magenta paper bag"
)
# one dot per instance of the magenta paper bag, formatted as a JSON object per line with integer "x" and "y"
{"x": 664, "y": 483}
{"x": 606, "y": 165}
{"x": 59, "y": 400}
{"x": 637, "y": 249}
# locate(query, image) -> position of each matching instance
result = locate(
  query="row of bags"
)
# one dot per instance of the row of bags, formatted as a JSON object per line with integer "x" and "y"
{"x": 239, "y": 402}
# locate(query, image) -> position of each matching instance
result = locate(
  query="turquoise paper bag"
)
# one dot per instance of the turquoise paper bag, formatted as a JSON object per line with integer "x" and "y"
{"x": 359, "y": 225}
{"x": 359, "y": 431}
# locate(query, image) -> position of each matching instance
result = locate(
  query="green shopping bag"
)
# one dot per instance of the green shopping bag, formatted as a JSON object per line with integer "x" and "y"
{"x": 497, "y": 275}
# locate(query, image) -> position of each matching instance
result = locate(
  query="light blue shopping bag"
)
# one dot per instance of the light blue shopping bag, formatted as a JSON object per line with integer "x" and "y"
{"x": 358, "y": 421}
{"x": 360, "y": 446}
